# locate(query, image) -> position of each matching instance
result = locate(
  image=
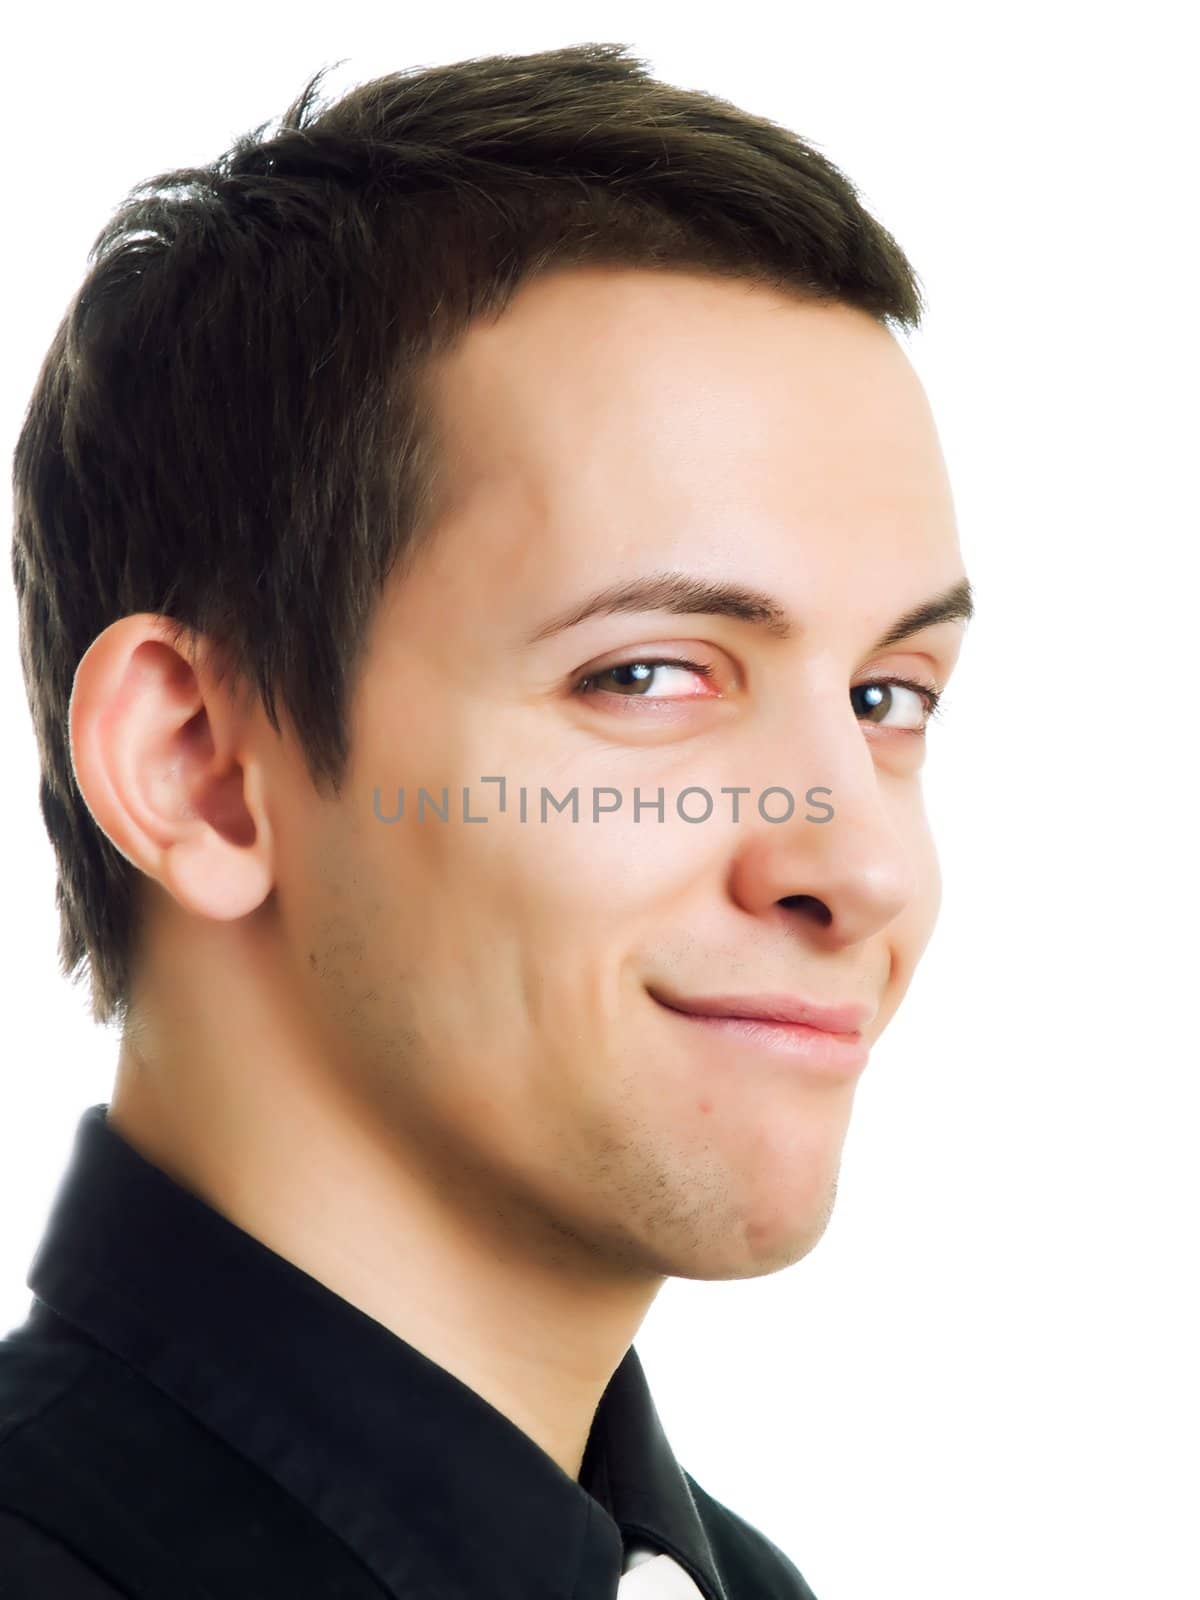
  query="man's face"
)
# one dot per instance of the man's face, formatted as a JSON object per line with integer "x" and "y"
{"x": 488, "y": 988}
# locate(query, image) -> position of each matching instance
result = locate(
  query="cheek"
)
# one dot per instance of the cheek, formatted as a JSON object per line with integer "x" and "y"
{"x": 491, "y": 905}
{"x": 928, "y": 872}
{"x": 911, "y": 931}
{"x": 545, "y": 916}
{"x": 601, "y": 877}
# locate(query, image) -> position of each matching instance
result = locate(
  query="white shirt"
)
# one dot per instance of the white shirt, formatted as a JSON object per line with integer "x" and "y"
{"x": 650, "y": 1574}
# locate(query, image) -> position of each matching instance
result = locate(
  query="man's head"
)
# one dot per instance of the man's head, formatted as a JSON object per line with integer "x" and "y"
{"x": 343, "y": 426}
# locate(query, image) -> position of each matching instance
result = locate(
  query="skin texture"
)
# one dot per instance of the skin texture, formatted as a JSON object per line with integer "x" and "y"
{"x": 421, "y": 1060}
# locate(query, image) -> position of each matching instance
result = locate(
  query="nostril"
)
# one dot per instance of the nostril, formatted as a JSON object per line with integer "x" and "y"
{"x": 805, "y": 902}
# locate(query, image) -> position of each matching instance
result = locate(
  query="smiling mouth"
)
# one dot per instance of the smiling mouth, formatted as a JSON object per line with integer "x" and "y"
{"x": 800, "y": 1042}
{"x": 846, "y": 1018}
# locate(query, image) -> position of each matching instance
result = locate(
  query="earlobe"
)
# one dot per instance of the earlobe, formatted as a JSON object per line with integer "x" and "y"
{"x": 155, "y": 751}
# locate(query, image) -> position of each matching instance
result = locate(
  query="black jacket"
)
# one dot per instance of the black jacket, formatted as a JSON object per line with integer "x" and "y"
{"x": 185, "y": 1414}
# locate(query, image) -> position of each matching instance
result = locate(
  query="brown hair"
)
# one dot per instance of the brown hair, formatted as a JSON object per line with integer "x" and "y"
{"x": 230, "y": 427}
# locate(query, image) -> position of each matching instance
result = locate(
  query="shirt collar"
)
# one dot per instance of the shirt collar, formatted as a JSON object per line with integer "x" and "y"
{"x": 422, "y": 1477}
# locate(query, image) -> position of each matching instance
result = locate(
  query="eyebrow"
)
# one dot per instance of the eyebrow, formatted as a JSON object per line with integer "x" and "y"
{"x": 685, "y": 594}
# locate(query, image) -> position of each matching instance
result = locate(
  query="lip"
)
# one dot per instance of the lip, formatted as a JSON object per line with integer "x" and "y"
{"x": 774, "y": 1008}
{"x": 723, "y": 1021}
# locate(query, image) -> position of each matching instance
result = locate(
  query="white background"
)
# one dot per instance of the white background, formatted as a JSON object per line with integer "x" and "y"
{"x": 982, "y": 1382}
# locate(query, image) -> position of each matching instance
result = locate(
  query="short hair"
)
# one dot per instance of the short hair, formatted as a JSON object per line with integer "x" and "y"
{"x": 233, "y": 426}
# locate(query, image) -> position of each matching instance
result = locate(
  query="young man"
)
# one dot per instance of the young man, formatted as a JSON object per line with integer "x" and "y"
{"x": 515, "y": 431}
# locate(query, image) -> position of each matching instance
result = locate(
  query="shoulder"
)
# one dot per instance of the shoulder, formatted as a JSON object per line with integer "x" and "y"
{"x": 747, "y": 1560}
{"x": 39, "y": 1362}
{"x": 34, "y": 1565}
{"x": 132, "y": 1484}
{"x": 43, "y": 1363}
{"x": 104, "y": 1480}
{"x": 44, "y": 1366}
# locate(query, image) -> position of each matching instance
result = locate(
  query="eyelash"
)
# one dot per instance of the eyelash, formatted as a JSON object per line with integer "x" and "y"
{"x": 583, "y": 686}
{"x": 930, "y": 697}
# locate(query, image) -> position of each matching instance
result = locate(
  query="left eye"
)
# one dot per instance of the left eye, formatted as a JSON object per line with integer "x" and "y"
{"x": 631, "y": 678}
{"x": 879, "y": 699}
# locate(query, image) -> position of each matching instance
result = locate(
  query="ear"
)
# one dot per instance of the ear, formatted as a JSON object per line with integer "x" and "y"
{"x": 160, "y": 757}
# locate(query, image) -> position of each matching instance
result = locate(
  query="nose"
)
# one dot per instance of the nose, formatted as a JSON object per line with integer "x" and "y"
{"x": 847, "y": 874}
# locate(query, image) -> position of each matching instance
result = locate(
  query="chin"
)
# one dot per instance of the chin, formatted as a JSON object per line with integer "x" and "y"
{"x": 762, "y": 1246}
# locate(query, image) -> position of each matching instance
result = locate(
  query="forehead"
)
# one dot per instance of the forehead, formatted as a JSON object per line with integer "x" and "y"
{"x": 620, "y": 404}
